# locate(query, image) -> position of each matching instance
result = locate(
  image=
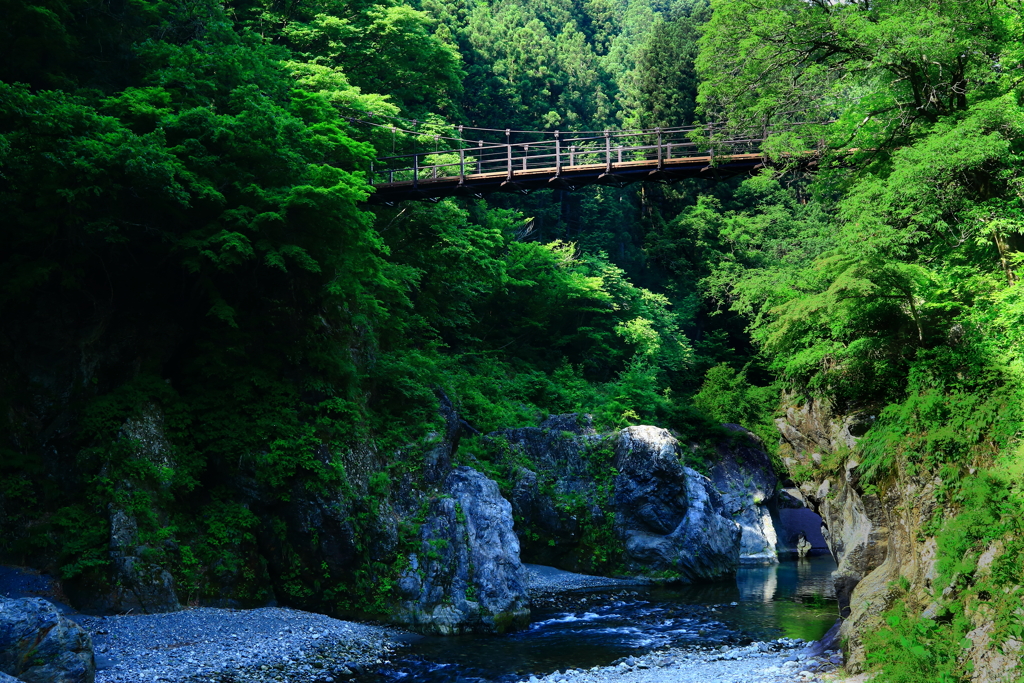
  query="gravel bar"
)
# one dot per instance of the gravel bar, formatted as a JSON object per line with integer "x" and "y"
{"x": 210, "y": 644}
{"x": 779, "y": 661}
{"x": 544, "y": 581}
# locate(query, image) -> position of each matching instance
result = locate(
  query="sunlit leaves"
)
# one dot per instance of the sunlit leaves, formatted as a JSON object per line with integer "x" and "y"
{"x": 884, "y": 71}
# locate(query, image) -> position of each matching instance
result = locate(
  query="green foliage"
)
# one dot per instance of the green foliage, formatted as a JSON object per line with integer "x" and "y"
{"x": 886, "y": 71}
{"x": 85, "y": 536}
{"x": 384, "y": 47}
{"x": 727, "y": 397}
{"x": 666, "y": 78}
{"x": 911, "y": 649}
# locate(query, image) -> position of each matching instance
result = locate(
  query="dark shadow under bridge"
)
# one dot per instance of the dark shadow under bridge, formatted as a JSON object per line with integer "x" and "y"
{"x": 565, "y": 161}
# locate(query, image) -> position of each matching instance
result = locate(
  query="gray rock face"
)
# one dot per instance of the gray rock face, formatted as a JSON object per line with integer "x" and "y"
{"x": 670, "y": 517}
{"x": 134, "y": 583}
{"x": 878, "y": 536}
{"x": 856, "y": 530}
{"x": 855, "y": 527}
{"x": 139, "y": 585}
{"x": 438, "y": 460}
{"x": 467, "y": 576}
{"x": 38, "y": 645}
{"x": 746, "y": 480}
{"x": 560, "y": 452}
{"x": 811, "y": 428}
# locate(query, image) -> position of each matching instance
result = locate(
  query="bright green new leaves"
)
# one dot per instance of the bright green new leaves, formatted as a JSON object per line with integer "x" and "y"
{"x": 912, "y": 251}
{"x": 879, "y": 69}
{"x": 384, "y": 47}
{"x": 910, "y": 308}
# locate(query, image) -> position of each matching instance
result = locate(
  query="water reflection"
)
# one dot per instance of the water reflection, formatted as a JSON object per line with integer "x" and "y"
{"x": 758, "y": 584}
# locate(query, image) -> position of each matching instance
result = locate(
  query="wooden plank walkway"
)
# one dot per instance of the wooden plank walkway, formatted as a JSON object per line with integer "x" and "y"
{"x": 613, "y": 158}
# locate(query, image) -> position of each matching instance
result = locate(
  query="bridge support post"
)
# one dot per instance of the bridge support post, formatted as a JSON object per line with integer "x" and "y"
{"x": 558, "y": 154}
{"x": 661, "y": 155}
{"x": 508, "y": 151}
{"x": 607, "y": 152}
{"x": 415, "y": 171}
{"x": 480, "y": 157}
{"x": 462, "y": 159}
{"x": 437, "y": 140}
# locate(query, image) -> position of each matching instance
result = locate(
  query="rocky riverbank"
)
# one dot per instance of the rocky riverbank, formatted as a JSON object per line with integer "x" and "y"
{"x": 266, "y": 644}
{"x": 275, "y": 644}
{"x": 779, "y": 661}
{"x": 543, "y": 581}
{"x": 281, "y": 644}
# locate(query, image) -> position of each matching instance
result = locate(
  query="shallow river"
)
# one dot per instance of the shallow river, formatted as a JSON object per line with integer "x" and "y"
{"x": 793, "y": 599}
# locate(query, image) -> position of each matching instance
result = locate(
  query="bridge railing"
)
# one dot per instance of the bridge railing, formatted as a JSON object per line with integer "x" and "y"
{"x": 560, "y": 153}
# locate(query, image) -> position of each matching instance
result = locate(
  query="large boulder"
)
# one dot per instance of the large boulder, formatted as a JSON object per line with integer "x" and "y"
{"x": 671, "y": 519}
{"x": 39, "y": 645}
{"x": 467, "y": 576}
{"x": 746, "y": 480}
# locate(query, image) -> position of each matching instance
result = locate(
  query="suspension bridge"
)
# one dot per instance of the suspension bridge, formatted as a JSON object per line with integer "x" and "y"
{"x": 532, "y": 160}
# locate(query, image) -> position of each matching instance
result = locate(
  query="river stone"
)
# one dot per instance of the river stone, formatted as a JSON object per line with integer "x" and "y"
{"x": 670, "y": 517}
{"x": 39, "y": 645}
{"x": 467, "y": 576}
{"x": 746, "y": 480}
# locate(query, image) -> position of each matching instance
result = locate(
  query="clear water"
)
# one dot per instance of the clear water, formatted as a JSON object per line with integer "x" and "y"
{"x": 792, "y": 599}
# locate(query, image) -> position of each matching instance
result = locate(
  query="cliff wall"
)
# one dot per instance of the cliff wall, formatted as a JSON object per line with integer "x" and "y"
{"x": 883, "y": 536}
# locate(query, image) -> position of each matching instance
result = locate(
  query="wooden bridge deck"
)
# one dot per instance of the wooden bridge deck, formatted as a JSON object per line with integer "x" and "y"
{"x": 565, "y": 177}
{"x": 565, "y": 162}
